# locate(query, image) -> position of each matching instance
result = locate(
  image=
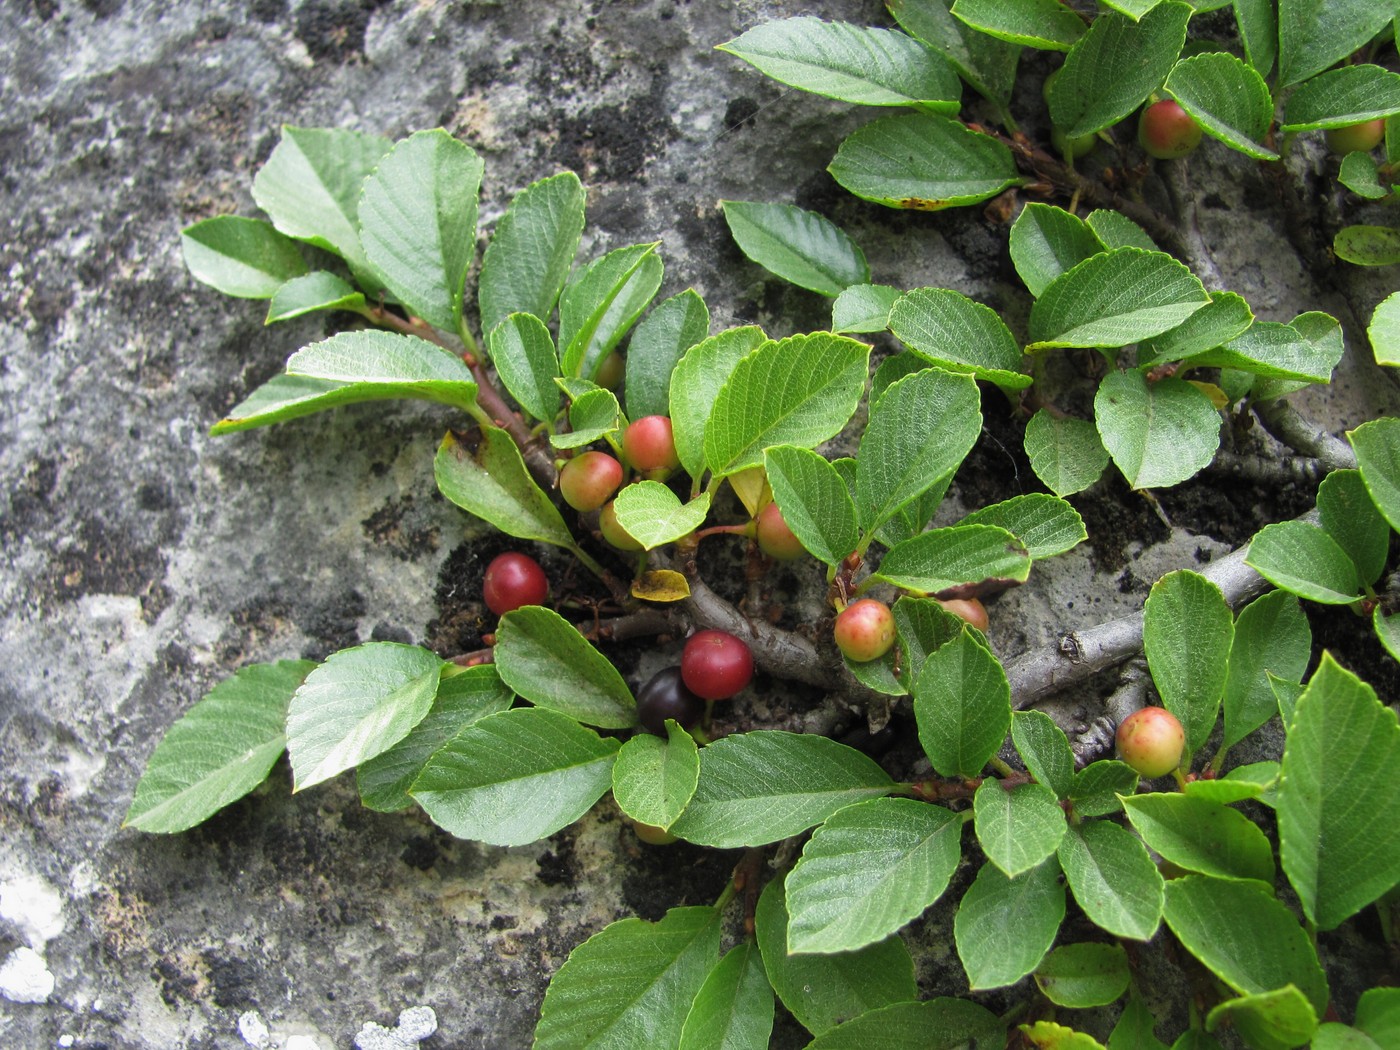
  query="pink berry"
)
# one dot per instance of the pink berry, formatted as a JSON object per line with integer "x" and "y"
{"x": 589, "y": 480}
{"x": 1151, "y": 741}
{"x": 649, "y": 446}
{"x": 1166, "y": 131}
{"x": 865, "y": 630}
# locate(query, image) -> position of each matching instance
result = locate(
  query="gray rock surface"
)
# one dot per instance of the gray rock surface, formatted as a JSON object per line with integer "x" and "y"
{"x": 144, "y": 561}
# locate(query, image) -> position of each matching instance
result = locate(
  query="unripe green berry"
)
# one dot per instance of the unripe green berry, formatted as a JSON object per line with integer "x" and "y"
{"x": 1356, "y": 138}
{"x": 613, "y": 531}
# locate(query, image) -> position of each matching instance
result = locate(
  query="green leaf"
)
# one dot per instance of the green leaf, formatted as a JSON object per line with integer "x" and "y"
{"x": 1066, "y": 454}
{"x": 1227, "y": 98}
{"x": 1047, "y": 1035}
{"x": 1045, "y": 24}
{"x": 795, "y": 391}
{"x": 798, "y": 245}
{"x": 1116, "y": 230}
{"x": 1360, "y": 174}
{"x": 658, "y": 342}
{"x": 734, "y": 1008}
{"x": 962, "y": 704}
{"x": 695, "y": 383}
{"x": 941, "y": 559}
{"x": 920, "y": 429}
{"x": 878, "y": 674}
{"x": 1083, "y": 975}
{"x": 384, "y": 781}
{"x": 867, "y": 871}
{"x": 653, "y": 779}
{"x": 220, "y": 749}
{"x": 630, "y": 985}
{"x": 1350, "y": 517}
{"x": 1277, "y": 351}
{"x": 1387, "y": 630}
{"x": 1337, "y": 797}
{"x": 1045, "y": 750}
{"x": 1196, "y": 1039}
{"x": 1304, "y": 560}
{"x": 1114, "y": 67}
{"x": 863, "y": 308}
{"x": 1096, "y": 787}
{"x": 1046, "y": 242}
{"x": 528, "y": 259}
{"x": 1005, "y": 926}
{"x": 814, "y": 502}
{"x": 763, "y": 786}
{"x": 311, "y": 184}
{"x": 1368, "y": 245}
{"x": 911, "y": 519}
{"x": 923, "y": 162}
{"x": 1202, "y": 836}
{"x": 601, "y": 303}
{"x": 1017, "y": 827}
{"x": 1277, "y": 1020}
{"x": 1271, "y": 634}
{"x": 593, "y": 415}
{"x": 865, "y": 66}
{"x": 359, "y": 703}
{"x": 404, "y": 364}
{"x": 491, "y": 482}
{"x": 1222, "y": 319}
{"x": 1159, "y": 434}
{"x": 1112, "y": 877}
{"x": 1044, "y": 524}
{"x": 653, "y": 515}
{"x": 1187, "y": 630}
{"x": 418, "y": 223}
{"x": 1254, "y": 781}
{"x": 516, "y": 777}
{"x": 1377, "y": 446}
{"x": 951, "y": 331}
{"x": 1244, "y": 936}
{"x": 246, "y": 258}
{"x": 1314, "y": 35}
{"x": 939, "y": 1024}
{"x": 543, "y": 657}
{"x": 1384, "y": 331}
{"x": 822, "y": 991}
{"x": 318, "y": 290}
{"x": 1332, "y": 1035}
{"x": 1258, "y": 25}
{"x": 1135, "y": 1029}
{"x": 1378, "y": 1014}
{"x": 1115, "y": 298}
{"x": 523, "y": 352}
{"x": 923, "y": 626}
{"x": 986, "y": 63}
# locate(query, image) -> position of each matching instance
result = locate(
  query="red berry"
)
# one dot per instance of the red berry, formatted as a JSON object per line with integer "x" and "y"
{"x": 1166, "y": 131}
{"x": 588, "y": 481}
{"x": 613, "y": 531}
{"x": 649, "y": 445}
{"x": 970, "y": 609}
{"x": 865, "y": 630}
{"x": 716, "y": 665}
{"x": 512, "y": 580}
{"x": 1151, "y": 741}
{"x": 775, "y": 539}
{"x": 666, "y": 696}
{"x": 1356, "y": 138}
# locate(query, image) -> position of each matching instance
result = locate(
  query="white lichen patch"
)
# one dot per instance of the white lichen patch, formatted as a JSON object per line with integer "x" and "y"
{"x": 34, "y": 907}
{"x": 24, "y": 978}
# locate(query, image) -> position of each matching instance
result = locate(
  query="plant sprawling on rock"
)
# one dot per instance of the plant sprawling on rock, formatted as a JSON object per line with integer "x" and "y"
{"x": 629, "y": 465}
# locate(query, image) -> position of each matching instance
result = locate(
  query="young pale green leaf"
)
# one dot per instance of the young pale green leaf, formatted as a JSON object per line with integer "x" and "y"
{"x": 865, "y": 66}
{"x": 1005, "y": 926}
{"x": 962, "y": 704}
{"x": 523, "y": 352}
{"x": 411, "y": 366}
{"x": 1047, "y": 1035}
{"x": 1017, "y": 827}
{"x": 1044, "y": 749}
{"x": 1112, "y": 877}
{"x": 220, "y": 749}
{"x": 630, "y": 985}
{"x": 1083, "y": 975}
{"x": 1115, "y": 298}
{"x": 1114, "y": 67}
{"x": 593, "y": 415}
{"x": 1046, "y": 242}
{"x": 1202, "y": 836}
{"x": 734, "y": 1008}
{"x": 285, "y": 397}
{"x": 1222, "y": 319}
{"x": 1159, "y": 434}
{"x": 1387, "y": 630}
{"x": 602, "y": 301}
{"x": 1096, "y": 787}
{"x": 1378, "y": 1014}
{"x": 920, "y": 429}
{"x": 1196, "y": 1039}
{"x": 814, "y": 500}
{"x": 923, "y": 627}
{"x": 311, "y": 185}
{"x": 653, "y": 779}
{"x": 695, "y": 382}
{"x": 1116, "y": 230}
{"x": 528, "y": 259}
{"x": 763, "y": 786}
{"x": 822, "y": 991}
{"x": 1377, "y": 446}
{"x": 384, "y": 780}
{"x": 943, "y": 559}
{"x": 1227, "y": 98}
{"x": 863, "y": 308}
{"x": 987, "y": 64}
{"x": 878, "y": 674}
{"x": 1258, "y": 25}
{"x": 1135, "y": 1029}
{"x": 1244, "y": 936}
{"x": 867, "y": 871}
{"x": 923, "y": 162}
{"x": 950, "y": 330}
{"x": 939, "y": 1024}
{"x": 1360, "y": 174}
{"x": 492, "y": 482}
{"x": 359, "y": 703}
{"x": 798, "y": 245}
{"x": 658, "y": 342}
{"x": 654, "y": 515}
{"x": 1337, "y": 797}
{"x": 1350, "y": 517}
{"x": 1367, "y": 245}
{"x": 516, "y": 777}
{"x": 1065, "y": 453}
{"x": 1277, "y": 1020}
{"x": 1384, "y": 331}
{"x": 246, "y": 258}
{"x": 1044, "y": 24}
{"x": 318, "y": 290}
{"x": 1313, "y": 36}
{"x": 795, "y": 391}
{"x": 418, "y": 223}
{"x": 1304, "y": 560}
{"x": 543, "y": 657}
{"x": 1187, "y": 629}
{"x": 1253, "y": 781}
{"x": 1044, "y": 524}
{"x": 1276, "y": 351}
{"x": 1271, "y": 634}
